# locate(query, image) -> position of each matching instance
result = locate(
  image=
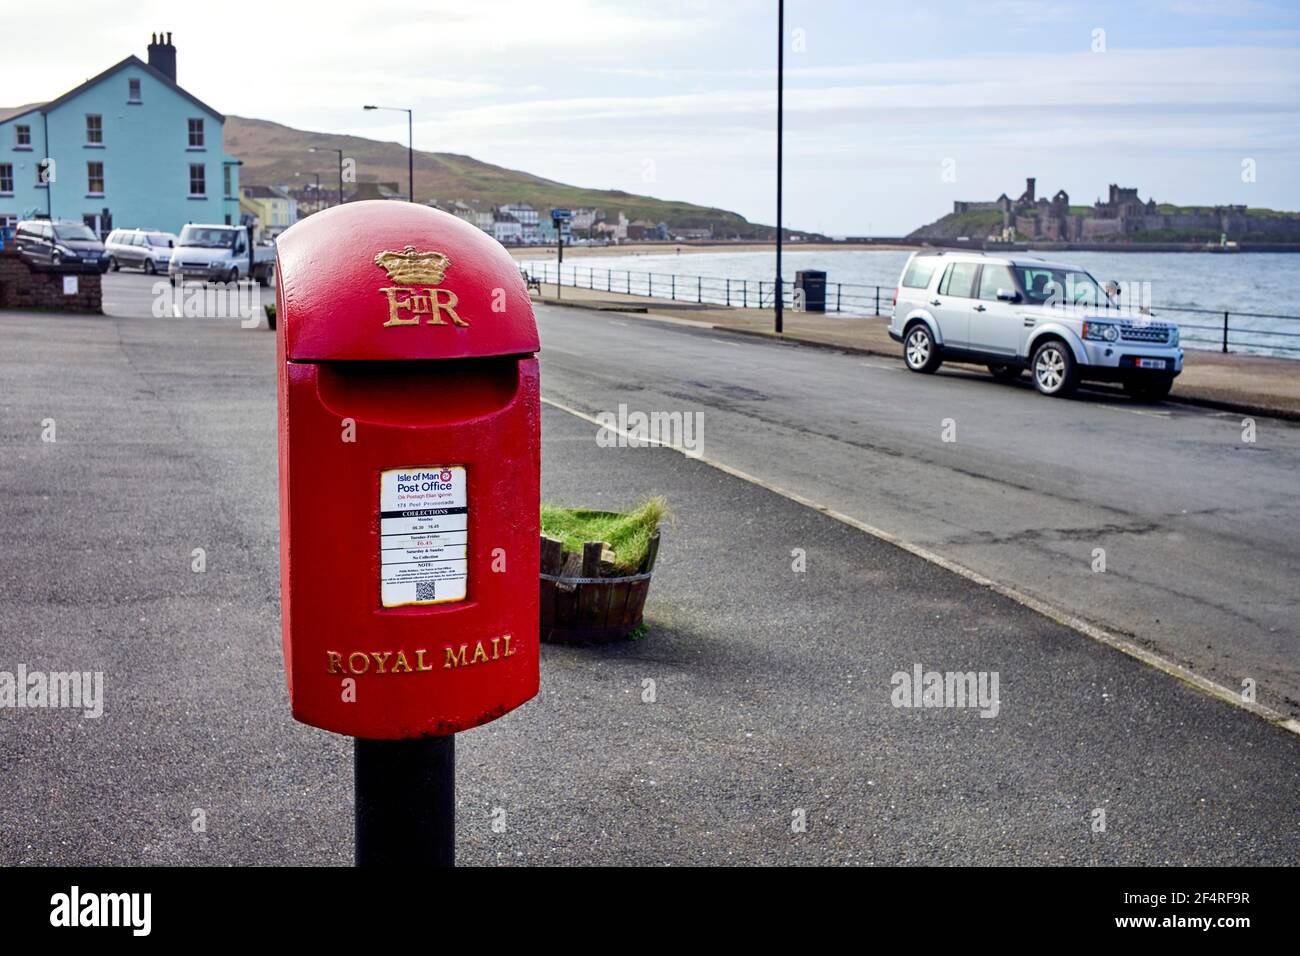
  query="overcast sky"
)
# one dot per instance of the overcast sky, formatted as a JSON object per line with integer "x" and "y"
{"x": 677, "y": 99}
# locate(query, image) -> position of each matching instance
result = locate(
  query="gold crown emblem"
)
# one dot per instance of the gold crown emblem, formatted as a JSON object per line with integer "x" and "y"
{"x": 409, "y": 267}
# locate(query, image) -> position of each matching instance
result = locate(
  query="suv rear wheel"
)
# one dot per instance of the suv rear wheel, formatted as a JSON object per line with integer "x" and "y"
{"x": 1054, "y": 368}
{"x": 919, "y": 351}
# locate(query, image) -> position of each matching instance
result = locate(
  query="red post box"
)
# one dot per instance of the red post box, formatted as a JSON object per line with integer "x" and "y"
{"x": 409, "y": 470}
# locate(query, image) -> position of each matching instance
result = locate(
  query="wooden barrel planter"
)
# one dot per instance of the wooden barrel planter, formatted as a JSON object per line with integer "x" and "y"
{"x": 580, "y": 605}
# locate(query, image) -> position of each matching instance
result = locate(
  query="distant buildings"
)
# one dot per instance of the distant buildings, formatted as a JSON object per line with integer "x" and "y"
{"x": 506, "y": 229}
{"x": 270, "y": 208}
{"x": 526, "y": 216}
{"x": 127, "y": 148}
{"x": 520, "y": 223}
{"x": 369, "y": 190}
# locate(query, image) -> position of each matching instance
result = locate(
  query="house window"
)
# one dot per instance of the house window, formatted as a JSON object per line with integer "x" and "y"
{"x": 225, "y": 171}
{"x": 133, "y": 90}
{"x": 198, "y": 180}
{"x": 7, "y": 178}
{"x": 45, "y": 172}
{"x": 94, "y": 129}
{"x": 95, "y": 179}
{"x": 196, "y": 134}
{"x": 23, "y": 137}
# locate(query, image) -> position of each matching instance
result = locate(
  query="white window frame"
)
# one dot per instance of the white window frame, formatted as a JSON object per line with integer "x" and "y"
{"x": 190, "y": 131}
{"x": 202, "y": 180}
{"x": 10, "y": 177}
{"x": 133, "y": 92}
{"x": 91, "y": 131}
{"x": 90, "y": 178}
{"x": 19, "y": 129}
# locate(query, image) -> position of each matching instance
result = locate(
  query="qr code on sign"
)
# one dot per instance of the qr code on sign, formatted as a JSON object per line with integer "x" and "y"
{"x": 425, "y": 591}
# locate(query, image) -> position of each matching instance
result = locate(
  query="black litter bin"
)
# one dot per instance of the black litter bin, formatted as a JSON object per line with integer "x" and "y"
{"x": 813, "y": 284}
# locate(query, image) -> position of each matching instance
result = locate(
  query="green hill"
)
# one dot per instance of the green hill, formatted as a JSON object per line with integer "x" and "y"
{"x": 274, "y": 154}
{"x": 975, "y": 223}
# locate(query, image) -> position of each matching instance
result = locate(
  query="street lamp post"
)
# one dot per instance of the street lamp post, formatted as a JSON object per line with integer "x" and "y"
{"x": 410, "y": 146}
{"x": 331, "y": 149}
{"x": 780, "y": 96}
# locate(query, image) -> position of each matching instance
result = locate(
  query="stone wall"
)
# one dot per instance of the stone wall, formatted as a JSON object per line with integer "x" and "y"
{"x": 23, "y": 288}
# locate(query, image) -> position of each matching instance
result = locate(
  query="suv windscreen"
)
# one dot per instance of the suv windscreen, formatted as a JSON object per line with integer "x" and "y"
{"x": 206, "y": 237}
{"x": 72, "y": 232}
{"x": 1044, "y": 286}
{"x": 918, "y": 273}
{"x": 959, "y": 280}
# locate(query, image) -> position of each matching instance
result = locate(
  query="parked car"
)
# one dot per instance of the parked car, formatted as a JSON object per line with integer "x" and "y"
{"x": 1013, "y": 313}
{"x": 140, "y": 249}
{"x": 60, "y": 244}
{"x": 219, "y": 254}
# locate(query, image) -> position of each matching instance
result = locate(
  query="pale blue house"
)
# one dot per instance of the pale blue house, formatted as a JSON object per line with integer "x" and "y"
{"x": 126, "y": 149}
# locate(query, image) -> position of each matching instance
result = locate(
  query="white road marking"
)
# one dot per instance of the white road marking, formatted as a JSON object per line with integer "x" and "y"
{"x": 556, "y": 348}
{"x": 722, "y": 341}
{"x": 1097, "y": 633}
{"x": 1135, "y": 411}
{"x": 884, "y": 368}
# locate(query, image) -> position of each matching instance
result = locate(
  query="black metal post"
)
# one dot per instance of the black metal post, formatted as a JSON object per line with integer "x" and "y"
{"x": 252, "y": 260}
{"x": 406, "y": 802}
{"x": 780, "y": 117}
{"x": 559, "y": 253}
{"x": 45, "y": 166}
{"x": 1225, "y": 331}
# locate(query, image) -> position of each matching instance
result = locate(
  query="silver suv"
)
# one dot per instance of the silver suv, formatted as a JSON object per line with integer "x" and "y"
{"x": 1013, "y": 313}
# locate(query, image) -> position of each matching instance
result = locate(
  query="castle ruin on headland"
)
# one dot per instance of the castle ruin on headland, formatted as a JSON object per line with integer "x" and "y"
{"x": 1123, "y": 214}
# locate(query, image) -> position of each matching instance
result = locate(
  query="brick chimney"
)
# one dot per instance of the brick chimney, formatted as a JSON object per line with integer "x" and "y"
{"x": 162, "y": 55}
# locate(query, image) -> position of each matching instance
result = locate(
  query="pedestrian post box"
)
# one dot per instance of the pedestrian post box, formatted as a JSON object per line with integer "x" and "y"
{"x": 409, "y": 452}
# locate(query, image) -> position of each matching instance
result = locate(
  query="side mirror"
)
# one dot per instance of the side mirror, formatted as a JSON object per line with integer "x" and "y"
{"x": 1008, "y": 295}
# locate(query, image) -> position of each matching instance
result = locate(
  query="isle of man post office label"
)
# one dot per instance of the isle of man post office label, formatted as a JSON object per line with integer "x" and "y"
{"x": 423, "y": 535}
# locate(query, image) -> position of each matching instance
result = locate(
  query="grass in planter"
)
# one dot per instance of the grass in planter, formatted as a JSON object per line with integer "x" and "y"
{"x": 627, "y": 534}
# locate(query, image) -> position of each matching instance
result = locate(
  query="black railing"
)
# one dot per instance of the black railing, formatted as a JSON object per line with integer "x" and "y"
{"x": 1232, "y": 330}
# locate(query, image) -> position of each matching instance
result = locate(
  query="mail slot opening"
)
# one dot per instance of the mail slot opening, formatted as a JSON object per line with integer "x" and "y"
{"x": 418, "y": 392}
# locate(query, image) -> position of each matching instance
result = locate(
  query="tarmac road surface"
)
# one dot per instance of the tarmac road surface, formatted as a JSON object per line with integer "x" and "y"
{"x": 1198, "y": 527}
{"x": 756, "y": 722}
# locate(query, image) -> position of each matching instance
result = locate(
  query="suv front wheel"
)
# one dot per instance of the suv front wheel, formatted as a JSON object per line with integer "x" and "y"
{"x": 1055, "y": 371}
{"x": 919, "y": 351}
